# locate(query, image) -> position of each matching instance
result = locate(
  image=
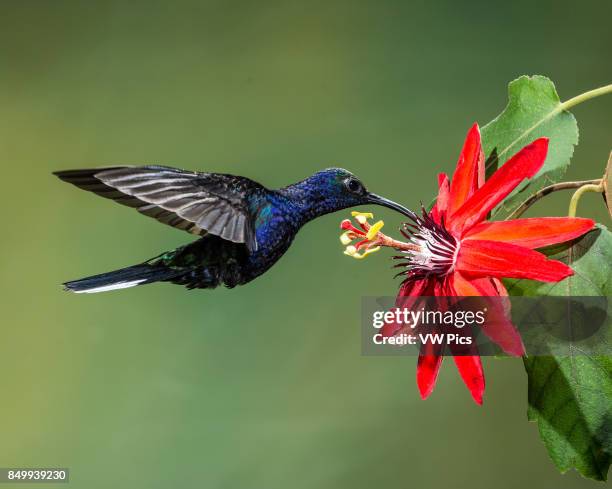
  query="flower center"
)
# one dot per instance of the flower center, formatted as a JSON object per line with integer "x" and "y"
{"x": 438, "y": 248}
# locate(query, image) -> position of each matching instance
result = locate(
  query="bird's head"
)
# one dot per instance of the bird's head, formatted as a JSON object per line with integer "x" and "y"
{"x": 335, "y": 189}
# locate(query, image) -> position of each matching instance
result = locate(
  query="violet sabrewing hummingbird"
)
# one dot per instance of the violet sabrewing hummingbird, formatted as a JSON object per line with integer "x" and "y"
{"x": 244, "y": 227}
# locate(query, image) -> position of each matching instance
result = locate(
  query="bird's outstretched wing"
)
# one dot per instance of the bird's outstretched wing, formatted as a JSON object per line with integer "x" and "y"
{"x": 198, "y": 203}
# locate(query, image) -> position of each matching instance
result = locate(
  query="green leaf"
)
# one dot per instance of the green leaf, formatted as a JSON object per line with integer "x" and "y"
{"x": 570, "y": 397}
{"x": 533, "y": 111}
{"x": 491, "y": 164}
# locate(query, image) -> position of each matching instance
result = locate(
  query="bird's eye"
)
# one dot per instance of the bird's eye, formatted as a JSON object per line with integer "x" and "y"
{"x": 354, "y": 186}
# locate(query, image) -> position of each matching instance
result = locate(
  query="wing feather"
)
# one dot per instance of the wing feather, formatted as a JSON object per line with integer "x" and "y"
{"x": 198, "y": 203}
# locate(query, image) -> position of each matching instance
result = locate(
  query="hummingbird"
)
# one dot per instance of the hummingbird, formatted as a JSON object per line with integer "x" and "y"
{"x": 243, "y": 227}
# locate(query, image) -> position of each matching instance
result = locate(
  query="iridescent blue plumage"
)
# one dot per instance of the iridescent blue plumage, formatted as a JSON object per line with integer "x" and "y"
{"x": 245, "y": 227}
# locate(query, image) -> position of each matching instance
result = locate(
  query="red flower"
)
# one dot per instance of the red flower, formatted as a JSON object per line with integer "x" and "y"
{"x": 462, "y": 254}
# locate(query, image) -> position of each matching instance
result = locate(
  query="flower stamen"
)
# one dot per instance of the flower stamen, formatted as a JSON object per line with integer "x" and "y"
{"x": 373, "y": 231}
{"x": 369, "y": 236}
{"x": 438, "y": 249}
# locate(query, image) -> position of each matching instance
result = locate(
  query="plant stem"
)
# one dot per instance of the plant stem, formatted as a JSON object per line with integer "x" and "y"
{"x": 592, "y": 187}
{"x": 548, "y": 190}
{"x": 583, "y": 97}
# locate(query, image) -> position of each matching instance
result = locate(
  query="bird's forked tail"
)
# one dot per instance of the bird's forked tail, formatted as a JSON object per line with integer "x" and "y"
{"x": 122, "y": 279}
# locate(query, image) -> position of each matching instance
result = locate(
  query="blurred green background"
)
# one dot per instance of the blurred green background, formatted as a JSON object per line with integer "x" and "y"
{"x": 263, "y": 386}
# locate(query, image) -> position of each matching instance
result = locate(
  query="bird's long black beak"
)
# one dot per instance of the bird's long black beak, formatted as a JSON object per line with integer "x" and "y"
{"x": 377, "y": 199}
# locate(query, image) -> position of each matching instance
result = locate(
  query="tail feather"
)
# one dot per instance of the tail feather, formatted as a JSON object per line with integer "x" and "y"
{"x": 122, "y": 279}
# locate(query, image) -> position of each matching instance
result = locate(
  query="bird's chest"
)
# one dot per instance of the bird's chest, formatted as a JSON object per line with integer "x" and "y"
{"x": 275, "y": 230}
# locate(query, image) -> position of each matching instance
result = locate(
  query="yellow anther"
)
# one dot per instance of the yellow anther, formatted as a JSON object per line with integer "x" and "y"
{"x": 371, "y": 250}
{"x": 373, "y": 231}
{"x": 367, "y": 252}
{"x": 352, "y": 251}
{"x": 345, "y": 238}
{"x": 362, "y": 217}
{"x": 369, "y": 215}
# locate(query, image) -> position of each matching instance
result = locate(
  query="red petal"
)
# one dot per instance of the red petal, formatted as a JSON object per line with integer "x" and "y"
{"x": 412, "y": 288}
{"x": 525, "y": 164}
{"x": 428, "y": 367}
{"x": 407, "y": 297}
{"x": 470, "y": 369}
{"x": 469, "y": 366}
{"x": 430, "y": 358}
{"x": 438, "y": 211}
{"x": 532, "y": 233}
{"x": 498, "y": 327}
{"x": 499, "y": 287}
{"x": 466, "y": 177}
{"x": 464, "y": 287}
{"x": 479, "y": 258}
